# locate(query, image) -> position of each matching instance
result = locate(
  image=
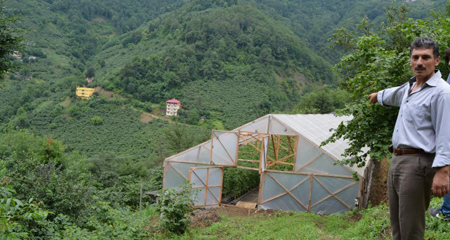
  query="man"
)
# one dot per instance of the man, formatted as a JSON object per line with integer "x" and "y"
{"x": 444, "y": 211}
{"x": 421, "y": 141}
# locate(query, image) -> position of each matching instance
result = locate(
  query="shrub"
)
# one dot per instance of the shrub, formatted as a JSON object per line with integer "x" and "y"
{"x": 17, "y": 218}
{"x": 174, "y": 206}
{"x": 97, "y": 120}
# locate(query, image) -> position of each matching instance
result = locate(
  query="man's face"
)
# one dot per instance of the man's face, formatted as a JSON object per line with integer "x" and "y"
{"x": 423, "y": 63}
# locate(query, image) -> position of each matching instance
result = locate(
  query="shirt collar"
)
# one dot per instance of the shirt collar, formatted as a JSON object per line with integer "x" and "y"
{"x": 432, "y": 82}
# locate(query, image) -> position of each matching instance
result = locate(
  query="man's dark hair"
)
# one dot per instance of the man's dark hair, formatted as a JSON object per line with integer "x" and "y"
{"x": 427, "y": 43}
{"x": 447, "y": 55}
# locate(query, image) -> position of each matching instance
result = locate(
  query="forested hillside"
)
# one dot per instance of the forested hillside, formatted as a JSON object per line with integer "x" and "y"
{"x": 235, "y": 61}
{"x": 316, "y": 21}
{"x": 77, "y": 165}
{"x": 227, "y": 61}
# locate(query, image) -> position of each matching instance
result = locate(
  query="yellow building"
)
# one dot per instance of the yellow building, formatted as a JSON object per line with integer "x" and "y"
{"x": 84, "y": 92}
{"x": 172, "y": 107}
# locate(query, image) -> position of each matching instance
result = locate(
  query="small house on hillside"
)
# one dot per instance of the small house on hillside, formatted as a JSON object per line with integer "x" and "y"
{"x": 172, "y": 107}
{"x": 84, "y": 92}
{"x": 17, "y": 55}
{"x": 296, "y": 174}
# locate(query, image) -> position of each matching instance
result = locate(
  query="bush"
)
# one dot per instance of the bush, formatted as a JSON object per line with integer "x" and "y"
{"x": 174, "y": 206}
{"x": 97, "y": 120}
{"x": 17, "y": 218}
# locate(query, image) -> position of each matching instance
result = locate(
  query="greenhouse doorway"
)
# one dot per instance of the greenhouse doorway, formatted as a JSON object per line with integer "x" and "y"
{"x": 257, "y": 153}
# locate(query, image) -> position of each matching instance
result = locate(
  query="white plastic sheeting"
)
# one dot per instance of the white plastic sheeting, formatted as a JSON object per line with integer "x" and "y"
{"x": 177, "y": 174}
{"x": 224, "y": 148}
{"x": 307, "y": 192}
{"x": 206, "y": 181}
{"x": 206, "y": 185}
{"x": 198, "y": 154}
{"x": 284, "y": 191}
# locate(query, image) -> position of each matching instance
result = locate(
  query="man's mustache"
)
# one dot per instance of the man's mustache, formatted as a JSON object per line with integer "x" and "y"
{"x": 419, "y": 68}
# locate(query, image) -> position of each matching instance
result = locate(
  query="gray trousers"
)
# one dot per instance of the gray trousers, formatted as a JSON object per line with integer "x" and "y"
{"x": 409, "y": 188}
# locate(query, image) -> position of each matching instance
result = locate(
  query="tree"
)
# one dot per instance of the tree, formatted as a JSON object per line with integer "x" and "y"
{"x": 9, "y": 41}
{"x": 376, "y": 62}
{"x": 321, "y": 100}
{"x": 177, "y": 137}
{"x": 90, "y": 73}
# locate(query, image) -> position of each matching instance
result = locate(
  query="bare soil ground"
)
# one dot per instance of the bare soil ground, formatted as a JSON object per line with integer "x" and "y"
{"x": 205, "y": 217}
{"x": 66, "y": 102}
{"x": 106, "y": 94}
{"x": 378, "y": 189}
{"x": 146, "y": 117}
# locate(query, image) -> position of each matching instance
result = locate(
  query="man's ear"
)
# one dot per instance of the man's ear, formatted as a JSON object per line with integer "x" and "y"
{"x": 438, "y": 59}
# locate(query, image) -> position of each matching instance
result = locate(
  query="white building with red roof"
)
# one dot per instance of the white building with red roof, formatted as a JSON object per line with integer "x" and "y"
{"x": 172, "y": 107}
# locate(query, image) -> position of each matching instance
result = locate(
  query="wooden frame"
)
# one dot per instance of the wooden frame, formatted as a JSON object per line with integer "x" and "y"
{"x": 311, "y": 178}
{"x": 206, "y": 186}
{"x": 277, "y": 145}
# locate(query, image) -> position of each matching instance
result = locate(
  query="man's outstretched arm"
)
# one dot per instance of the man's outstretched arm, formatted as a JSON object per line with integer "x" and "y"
{"x": 373, "y": 97}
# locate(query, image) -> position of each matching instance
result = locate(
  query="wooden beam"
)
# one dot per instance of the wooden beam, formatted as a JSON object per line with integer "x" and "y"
{"x": 286, "y": 157}
{"x": 244, "y": 160}
{"x": 248, "y": 168}
{"x": 166, "y": 167}
{"x": 221, "y": 187}
{"x": 310, "y": 191}
{"x": 295, "y": 150}
{"x": 214, "y": 186}
{"x": 207, "y": 187}
{"x": 275, "y": 152}
{"x": 261, "y": 184}
{"x": 252, "y": 145}
{"x": 284, "y": 163}
{"x": 188, "y": 162}
{"x": 308, "y": 174}
{"x": 290, "y": 143}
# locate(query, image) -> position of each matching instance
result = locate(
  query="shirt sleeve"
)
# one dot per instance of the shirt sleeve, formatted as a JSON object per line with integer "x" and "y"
{"x": 392, "y": 96}
{"x": 440, "y": 114}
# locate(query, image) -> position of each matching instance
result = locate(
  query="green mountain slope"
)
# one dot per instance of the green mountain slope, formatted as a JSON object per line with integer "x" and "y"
{"x": 316, "y": 21}
{"x": 68, "y": 33}
{"x": 228, "y": 61}
{"x": 255, "y": 64}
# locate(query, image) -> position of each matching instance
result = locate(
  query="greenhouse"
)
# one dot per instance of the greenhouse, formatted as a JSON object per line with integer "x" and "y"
{"x": 296, "y": 174}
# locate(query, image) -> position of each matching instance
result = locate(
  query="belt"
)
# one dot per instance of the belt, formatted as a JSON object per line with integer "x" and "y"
{"x": 401, "y": 151}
